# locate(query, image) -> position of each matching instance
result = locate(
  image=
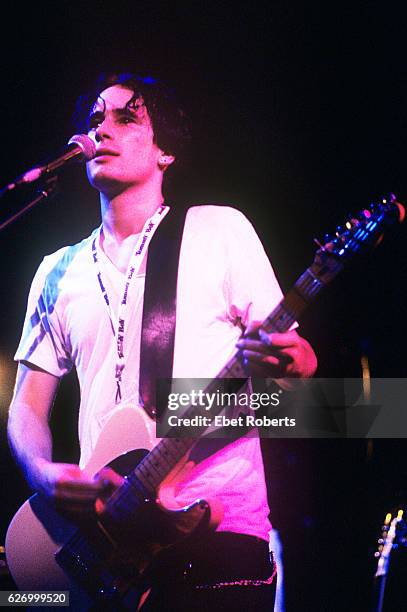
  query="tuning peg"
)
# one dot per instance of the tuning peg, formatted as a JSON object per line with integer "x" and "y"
{"x": 390, "y": 199}
{"x": 321, "y": 246}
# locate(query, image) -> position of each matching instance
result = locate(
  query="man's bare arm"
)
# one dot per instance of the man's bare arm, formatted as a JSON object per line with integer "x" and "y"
{"x": 31, "y": 442}
{"x": 28, "y": 429}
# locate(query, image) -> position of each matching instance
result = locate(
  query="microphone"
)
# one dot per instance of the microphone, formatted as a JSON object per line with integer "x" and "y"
{"x": 79, "y": 148}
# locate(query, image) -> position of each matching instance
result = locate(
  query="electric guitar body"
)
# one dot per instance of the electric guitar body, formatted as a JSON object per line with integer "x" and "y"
{"x": 39, "y": 536}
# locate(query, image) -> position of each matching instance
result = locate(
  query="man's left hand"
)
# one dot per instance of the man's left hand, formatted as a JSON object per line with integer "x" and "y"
{"x": 276, "y": 355}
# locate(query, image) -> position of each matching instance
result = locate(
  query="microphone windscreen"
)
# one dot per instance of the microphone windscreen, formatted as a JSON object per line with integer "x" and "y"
{"x": 86, "y": 145}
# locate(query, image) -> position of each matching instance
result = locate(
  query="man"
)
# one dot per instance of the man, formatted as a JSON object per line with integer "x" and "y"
{"x": 73, "y": 319}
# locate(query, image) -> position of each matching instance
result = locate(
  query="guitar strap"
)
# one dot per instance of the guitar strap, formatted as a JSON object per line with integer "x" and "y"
{"x": 159, "y": 307}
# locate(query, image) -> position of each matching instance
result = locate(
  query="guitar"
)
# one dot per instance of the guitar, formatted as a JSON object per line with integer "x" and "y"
{"x": 394, "y": 532}
{"x": 109, "y": 561}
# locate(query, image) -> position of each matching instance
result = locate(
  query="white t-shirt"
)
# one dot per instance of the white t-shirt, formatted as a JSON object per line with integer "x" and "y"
{"x": 224, "y": 281}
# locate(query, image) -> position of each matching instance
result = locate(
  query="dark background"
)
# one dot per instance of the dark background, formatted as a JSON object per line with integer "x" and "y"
{"x": 299, "y": 117}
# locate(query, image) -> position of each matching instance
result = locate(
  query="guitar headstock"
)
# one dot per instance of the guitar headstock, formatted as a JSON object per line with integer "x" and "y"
{"x": 394, "y": 531}
{"x": 359, "y": 232}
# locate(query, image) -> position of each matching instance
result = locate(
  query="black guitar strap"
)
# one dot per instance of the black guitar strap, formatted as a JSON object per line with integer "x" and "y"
{"x": 159, "y": 306}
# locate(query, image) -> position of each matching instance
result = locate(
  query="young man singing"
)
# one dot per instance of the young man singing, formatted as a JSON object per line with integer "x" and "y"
{"x": 85, "y": 310}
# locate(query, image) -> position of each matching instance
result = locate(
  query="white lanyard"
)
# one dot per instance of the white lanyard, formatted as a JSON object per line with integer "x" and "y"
{"x": 119, "y": 324}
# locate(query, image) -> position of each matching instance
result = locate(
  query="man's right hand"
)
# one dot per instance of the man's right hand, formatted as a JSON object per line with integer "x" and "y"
{"x": 72, "y": 490}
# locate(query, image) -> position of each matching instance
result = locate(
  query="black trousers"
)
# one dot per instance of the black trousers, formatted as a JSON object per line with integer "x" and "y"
{"x": 222, "y": 571}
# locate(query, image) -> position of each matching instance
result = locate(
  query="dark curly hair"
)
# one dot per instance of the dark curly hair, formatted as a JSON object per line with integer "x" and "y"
{"x": 171, "y": 125}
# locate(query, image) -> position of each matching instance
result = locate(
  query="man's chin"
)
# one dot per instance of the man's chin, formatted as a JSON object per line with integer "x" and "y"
{"x": 107, "y": 184}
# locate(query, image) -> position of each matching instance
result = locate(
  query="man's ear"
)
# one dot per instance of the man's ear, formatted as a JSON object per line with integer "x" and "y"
{"x": 165, "y": 160}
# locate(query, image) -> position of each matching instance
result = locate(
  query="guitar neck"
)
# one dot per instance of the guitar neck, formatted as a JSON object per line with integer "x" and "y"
{"x": 292, "y": 306}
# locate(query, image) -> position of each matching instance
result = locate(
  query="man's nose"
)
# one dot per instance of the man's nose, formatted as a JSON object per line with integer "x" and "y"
{"x": 103, "y": 130}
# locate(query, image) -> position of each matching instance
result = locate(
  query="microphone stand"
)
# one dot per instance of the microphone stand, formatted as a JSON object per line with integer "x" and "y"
{"x": 47, "y": 190}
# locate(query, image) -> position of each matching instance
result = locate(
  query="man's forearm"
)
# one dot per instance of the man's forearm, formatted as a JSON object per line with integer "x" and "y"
{"x": 30, "y": 440}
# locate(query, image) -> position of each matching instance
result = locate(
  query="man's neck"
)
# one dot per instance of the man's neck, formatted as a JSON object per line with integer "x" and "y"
{"x": 126, "y": 213}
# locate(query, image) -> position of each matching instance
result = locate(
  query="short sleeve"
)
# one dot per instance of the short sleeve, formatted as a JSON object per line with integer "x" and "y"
{"x": 42, "y": 341}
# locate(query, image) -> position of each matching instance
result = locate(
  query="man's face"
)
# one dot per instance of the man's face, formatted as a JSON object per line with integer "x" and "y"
{"x": 121, "y": 128}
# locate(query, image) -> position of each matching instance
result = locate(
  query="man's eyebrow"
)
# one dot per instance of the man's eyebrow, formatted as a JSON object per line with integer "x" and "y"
{"x": 125, "y": 110}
